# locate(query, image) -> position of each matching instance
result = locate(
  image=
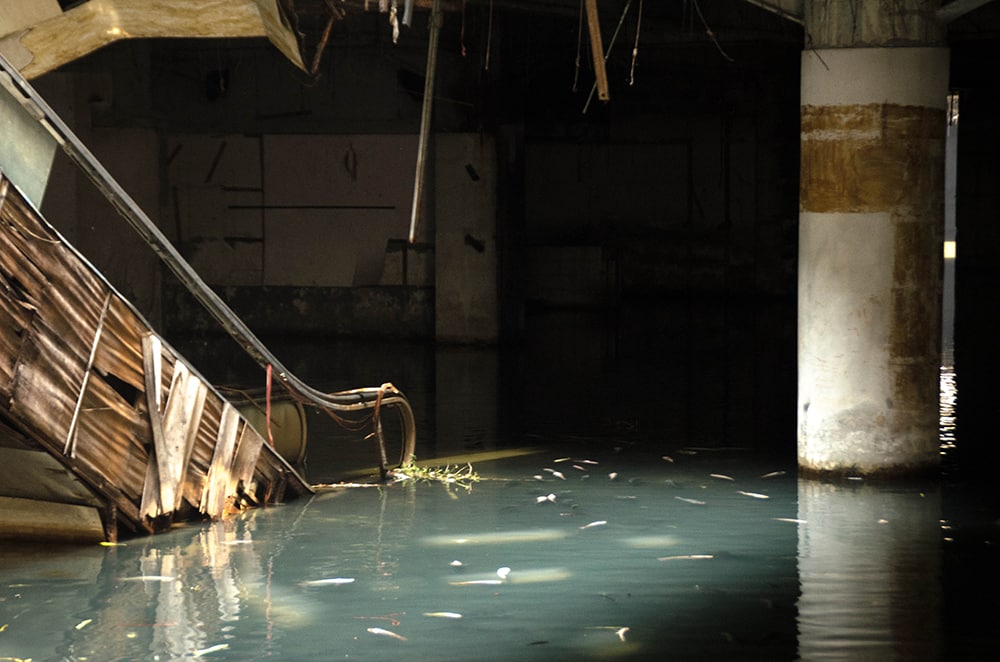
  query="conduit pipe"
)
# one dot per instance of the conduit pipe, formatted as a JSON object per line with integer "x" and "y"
{"x": 425, "y": 118}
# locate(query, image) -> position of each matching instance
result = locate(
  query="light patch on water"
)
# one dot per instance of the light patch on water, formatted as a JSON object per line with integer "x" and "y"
{"x": 495, "y": 537}
{"x": 649, "y": 542}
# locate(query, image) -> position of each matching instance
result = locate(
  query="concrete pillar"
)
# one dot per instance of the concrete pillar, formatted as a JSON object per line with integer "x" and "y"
{"x": 870, "y": 231}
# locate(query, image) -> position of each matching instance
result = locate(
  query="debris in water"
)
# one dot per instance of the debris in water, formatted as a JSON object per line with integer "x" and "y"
{"x": 149, "y": 578}
{"x": 612, "y": 475}
{"x": 331, "y": 581}
{"x": 599, "y": 522}
{"x": 84, "y": 623}
{"x": 456, "y": 564}
{"x": 211, "y": 649}
{"x": 545, "y": 497}
{"x": 387, "y": 633}
{"x": 502, "y": 572}
{"x": 686, "y": 557}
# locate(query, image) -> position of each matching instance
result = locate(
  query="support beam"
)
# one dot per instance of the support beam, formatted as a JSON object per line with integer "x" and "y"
{"x": 871, "y": 223}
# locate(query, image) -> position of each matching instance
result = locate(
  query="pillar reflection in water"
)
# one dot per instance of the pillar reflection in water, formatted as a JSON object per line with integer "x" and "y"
{"x": 870, "y": 571}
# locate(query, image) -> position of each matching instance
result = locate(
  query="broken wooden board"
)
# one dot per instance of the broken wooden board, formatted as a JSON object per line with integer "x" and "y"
{"x": 84, "y": 378}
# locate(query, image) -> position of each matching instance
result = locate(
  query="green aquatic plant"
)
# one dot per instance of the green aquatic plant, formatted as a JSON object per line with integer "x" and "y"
{"x": 457, "y": 475}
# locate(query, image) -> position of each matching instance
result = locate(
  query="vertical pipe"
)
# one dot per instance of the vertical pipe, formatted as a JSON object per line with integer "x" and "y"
{"x": 425, "y": 118}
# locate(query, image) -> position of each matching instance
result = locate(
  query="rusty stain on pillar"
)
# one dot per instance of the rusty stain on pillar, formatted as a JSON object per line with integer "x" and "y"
{"x": 871, "y": 223}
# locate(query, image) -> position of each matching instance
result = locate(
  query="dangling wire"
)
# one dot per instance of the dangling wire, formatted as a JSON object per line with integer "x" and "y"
{"x": 635, "y": 47}
{"x": 461, "y": 37}
{"x": 489, "y": 37}
{"x": 579, "y": 46}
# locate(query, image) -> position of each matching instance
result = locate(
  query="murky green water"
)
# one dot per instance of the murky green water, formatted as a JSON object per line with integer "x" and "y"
{"x": 636, "y": 552}
{"x": 630, "y": 557}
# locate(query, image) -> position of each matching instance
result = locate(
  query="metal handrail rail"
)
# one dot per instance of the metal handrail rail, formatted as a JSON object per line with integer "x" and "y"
{"x": 373, "y": 398}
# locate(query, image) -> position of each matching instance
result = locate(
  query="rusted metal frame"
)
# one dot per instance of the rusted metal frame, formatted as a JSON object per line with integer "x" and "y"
{"x": 357, "y": 399}
{"x": 425, "y": 119}
{"x": 69, "y": 448}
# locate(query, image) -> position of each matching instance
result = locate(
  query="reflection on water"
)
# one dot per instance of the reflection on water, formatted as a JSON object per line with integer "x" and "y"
{"x": 660, "y": 516}
{"x": 702, "y": 557}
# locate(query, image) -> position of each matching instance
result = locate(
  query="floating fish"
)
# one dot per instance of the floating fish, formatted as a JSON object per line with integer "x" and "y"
{"x": 561, "y": 459}
{"x": 84, "y": 623}
{"x": 589, "y": 462}
{"x": 558, "y": 474}
{"x": 579, "y": 468}
{"x": 502, "y": 572}
{"x": 696, "y": 502}
{"x": 477, "y": 582}
{"x": 668, "y": 459}
{"x": 755, "y": 495}
{"x": 545, "y": 497}
{"x": 442, "y": 614}
{"x": 456, "y": 564}
{"x": 211, "y": 649}
{"x": 149, "y": 578}
{"x": 387, "y": 633}
{"x": 686, "y": 557}
{"x": 612, "y": 475}
{"x": 591, "y": 525}
{"x": 773, "y": 474}
{"x": 330, "y": 581}
{"x": 722, "y": 476}
{"x": 789, "y": 519}
{"x": 621, "y": 633}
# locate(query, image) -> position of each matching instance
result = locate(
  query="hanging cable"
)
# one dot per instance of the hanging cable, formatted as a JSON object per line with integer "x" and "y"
{"x": 579, "y": 46}
{"x": 635, "y": 47}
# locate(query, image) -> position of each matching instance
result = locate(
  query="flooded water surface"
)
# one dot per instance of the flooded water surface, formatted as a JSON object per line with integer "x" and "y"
{"x": 598, "y": 528}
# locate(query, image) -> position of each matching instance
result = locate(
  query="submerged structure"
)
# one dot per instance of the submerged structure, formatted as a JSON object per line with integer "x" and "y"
{"x": 104, "y": 428}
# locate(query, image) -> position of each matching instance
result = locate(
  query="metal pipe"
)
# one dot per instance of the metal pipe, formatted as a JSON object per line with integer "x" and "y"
{"x": 425, "y": 118}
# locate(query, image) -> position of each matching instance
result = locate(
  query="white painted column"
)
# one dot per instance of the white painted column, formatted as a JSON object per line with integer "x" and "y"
{"x": 870, "y": 231}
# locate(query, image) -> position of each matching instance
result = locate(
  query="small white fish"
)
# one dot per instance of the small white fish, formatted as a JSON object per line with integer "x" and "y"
{"x": 696, "y": 502}
{"x": 538, "y": 477}
{"x": 773, "y": 474}
{"x": 84, "y": 623}
{"x": 722, "y": 476}
{"x": 211, "y": 649}
{"x": 387, "y": 633}
{"x": 456, "y": 564}
{"x": 477, "y": 582}
{"x": 149, "y": 578}
{"x": 330, "y": 581}
{"x": 789, "y": 519}
{"x": 558, "y": 474}
{"x": 561, "y": 459}
{"x": 621, "y": 633}
{"x": 755, "y": 495}
{"x": 668, "y": 459}
{"x": 599, "y": 522}
{"x": 442, "y": 614}
{"x": 579, "y": 468}
{"x": 612, "y": 475}
{"x": 686, "y": 557}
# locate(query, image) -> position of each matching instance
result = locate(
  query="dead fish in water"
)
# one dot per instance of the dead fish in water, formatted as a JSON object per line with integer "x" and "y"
{"x": 686, "y": 557}
{"x": 721, "y": 476}
{"x": 561, "y": 459}
{"x": 696, "y": 502}
{"x": 789, "y": 519}
{"x": 149, "y": 578}
{"x": 621, "y": 633}
{"x": 588, "y": 462}
{"x": 387, "y": 633}
{"x": 331, "y": 581}
{"x": 442, "y": 614}
{"x": 668, "y": 459}
{"x": 773, "y": 474}
{"x": 546, "y": 497}
{"x": 599, "y": 522}
{"x": 579, "y": 468}
{"x": 211, "y": 649}
{"x": 755, "y": 495}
